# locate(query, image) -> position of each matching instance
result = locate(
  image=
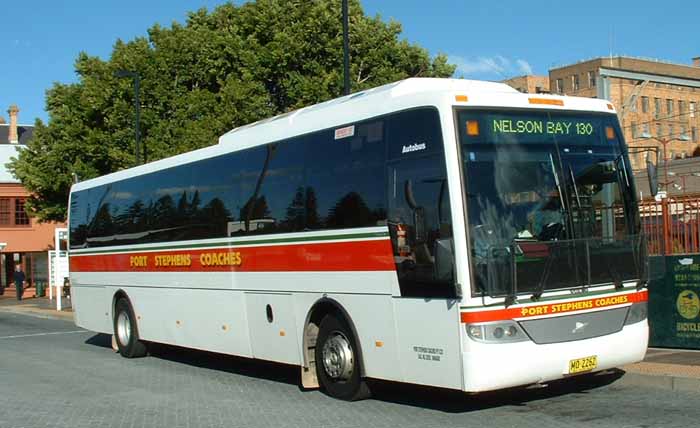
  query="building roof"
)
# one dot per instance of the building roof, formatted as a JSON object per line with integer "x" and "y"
{"x": 644, "y": 65}
{"x": 24, "y": 132}
{"x": 8, "y": 151}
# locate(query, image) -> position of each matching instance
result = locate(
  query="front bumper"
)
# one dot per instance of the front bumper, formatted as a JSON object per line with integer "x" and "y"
{"x": 497, "y": 366}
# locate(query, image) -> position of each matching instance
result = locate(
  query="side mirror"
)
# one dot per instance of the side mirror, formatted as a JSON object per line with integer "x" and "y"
{"x": 653, "y": 174}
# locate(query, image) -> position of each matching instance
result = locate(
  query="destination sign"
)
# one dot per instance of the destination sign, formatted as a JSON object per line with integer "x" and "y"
{"x": 534, "y": 126}
{"x": 583, "y": 129}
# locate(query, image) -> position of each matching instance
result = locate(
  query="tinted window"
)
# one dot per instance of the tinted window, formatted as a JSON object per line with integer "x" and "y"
{"x": 270, "y": 181}
{"x": 345, "y": 178}
{"x": 420, "y": 223}
{"x": 311, "y": 182}
{"x": 414, "y": 133}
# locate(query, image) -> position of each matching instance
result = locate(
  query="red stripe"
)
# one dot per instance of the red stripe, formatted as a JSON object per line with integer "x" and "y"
{"x": 373, "y": 255}
{"x": 554, "y": 308}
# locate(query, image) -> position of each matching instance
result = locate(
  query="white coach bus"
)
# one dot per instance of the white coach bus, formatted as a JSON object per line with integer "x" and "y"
{"x": 442, "y": 232}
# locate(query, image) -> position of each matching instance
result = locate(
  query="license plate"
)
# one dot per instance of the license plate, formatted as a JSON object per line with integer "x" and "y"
{"x": 581, "y": 365}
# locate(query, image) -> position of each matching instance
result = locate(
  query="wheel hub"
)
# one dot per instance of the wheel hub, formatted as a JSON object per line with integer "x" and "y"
{"x": 123, "y": 328}
{"x": 338, "y": 358}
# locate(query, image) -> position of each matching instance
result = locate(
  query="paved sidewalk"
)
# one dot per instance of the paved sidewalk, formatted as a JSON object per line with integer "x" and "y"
{"x": 41, "y": 307}
{"x": 672, "y": 369}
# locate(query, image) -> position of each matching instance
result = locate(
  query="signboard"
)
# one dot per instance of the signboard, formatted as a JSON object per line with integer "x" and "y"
{"x": 58, "y": 263}
{"x": 674, "y": 304}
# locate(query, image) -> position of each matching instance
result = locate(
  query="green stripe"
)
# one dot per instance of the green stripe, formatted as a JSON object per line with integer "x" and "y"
{"x": 550, "y": 298}
{"x": 241, "y": 243}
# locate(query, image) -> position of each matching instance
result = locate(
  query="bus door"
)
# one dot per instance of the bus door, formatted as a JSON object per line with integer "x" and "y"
{"x": 420, "y": 226}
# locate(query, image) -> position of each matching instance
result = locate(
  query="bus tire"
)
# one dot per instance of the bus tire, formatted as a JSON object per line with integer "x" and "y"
{"x": 338, "y": 361}
{"x": 126, "y": 331}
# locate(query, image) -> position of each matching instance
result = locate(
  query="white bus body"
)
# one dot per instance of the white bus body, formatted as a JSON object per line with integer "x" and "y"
{"x": 263, "y": 295}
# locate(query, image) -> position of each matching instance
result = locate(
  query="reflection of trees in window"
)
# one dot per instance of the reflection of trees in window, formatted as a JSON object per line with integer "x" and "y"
{"x": 103, "y": 224}
{"x": 254, "y": 206}
{"x": 352, "y": 211}
{"x": 254, "y": 209}
{"x": 163, "y": 212}
{"x": 132, "y": 219}
{"x": 216, "y": 216}
{"x": 302, "y": 212}
{"x": 187, "y": 210}
{"x": 295, "y": 211}
{"x": 313, "y": 221}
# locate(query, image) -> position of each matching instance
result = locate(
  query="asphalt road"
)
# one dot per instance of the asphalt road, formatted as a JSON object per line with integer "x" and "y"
{"x": 52, "y": 374}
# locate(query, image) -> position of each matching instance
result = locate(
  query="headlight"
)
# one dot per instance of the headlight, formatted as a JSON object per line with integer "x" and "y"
{"x": 636, "y": 313}
{"x": 497, "y": 332}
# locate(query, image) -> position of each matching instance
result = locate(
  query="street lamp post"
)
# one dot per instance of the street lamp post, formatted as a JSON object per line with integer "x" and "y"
{"x": 137, "y": 107}
{"x": 2, "y": 247}
{"x": 346, "y": 47}
{"x": 664, "y": 142}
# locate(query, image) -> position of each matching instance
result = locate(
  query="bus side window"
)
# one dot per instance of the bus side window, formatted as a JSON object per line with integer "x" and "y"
{"x": 419, "y": 218}
{"x": 420, "y": 228}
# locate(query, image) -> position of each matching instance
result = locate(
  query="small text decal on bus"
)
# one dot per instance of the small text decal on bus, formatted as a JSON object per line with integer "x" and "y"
{"x": 428, "y": 354}
{"x": 348, "y": 131}
{"x": 413, "y": 148}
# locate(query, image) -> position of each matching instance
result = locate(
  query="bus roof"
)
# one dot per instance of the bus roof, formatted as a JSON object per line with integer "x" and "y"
{"x": 401, "y": 95}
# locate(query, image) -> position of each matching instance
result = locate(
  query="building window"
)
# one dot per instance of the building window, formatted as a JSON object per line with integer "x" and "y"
{"x": 658, "y": 130}
{"x": 657, "y": 107}
{"x": 559, "y": 83}
{"x": 12, "y": 212}
{"x": 21, "y": 217}
{"x": 681, "y": 107}
{"x": 671, "y": 131}
{"x": 634, "y": 129}
{"x": 669, "y": 106}
{"x": 645, "y": 104}
{"x": 694, "y": 134}
{"x": 691, "y": 109}
{"x": 645, "y": 131}
{"x": 591, "y": 79}
{"x": 5, "y": 213}
{"x": 684, "y": 133}
{"x": 575, "y": 82}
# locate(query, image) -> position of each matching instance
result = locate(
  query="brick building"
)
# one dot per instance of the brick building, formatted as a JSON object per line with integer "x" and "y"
{"x": 657, "y": 101}
{"x": 23, "y": 239}
{"x": 529, "y": 84}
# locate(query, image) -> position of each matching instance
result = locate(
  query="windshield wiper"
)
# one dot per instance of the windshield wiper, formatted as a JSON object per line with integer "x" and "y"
{"x": 550, "y": 257}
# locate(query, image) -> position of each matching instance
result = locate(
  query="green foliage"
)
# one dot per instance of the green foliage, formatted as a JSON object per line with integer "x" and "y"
{"x": 221, "y": 69}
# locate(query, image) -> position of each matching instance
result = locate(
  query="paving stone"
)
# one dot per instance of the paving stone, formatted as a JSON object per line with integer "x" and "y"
{"x": 69, "y": 379}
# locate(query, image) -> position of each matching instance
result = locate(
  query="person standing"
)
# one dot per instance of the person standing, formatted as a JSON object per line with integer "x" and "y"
{"x": 19, "y": 278}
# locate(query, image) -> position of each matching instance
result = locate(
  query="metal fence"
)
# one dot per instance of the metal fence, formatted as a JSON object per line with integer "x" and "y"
{"x": 671, "y": 226}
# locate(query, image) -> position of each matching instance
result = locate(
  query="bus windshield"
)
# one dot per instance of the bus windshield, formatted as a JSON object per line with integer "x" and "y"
{"x": 550, "y": 201}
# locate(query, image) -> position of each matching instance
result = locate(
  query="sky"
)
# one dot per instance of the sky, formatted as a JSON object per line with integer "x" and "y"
{"x": 486, "y": 39}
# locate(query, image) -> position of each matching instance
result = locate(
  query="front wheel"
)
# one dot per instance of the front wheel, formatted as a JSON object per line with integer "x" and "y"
{"x": 126, "y": 332}
{"x": 338, "y": 361}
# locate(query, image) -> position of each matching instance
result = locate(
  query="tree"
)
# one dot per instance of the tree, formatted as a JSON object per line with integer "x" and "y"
{"x": 218, "y": 70}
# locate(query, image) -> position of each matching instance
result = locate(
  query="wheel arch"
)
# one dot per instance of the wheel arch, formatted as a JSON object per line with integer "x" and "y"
{"x": 318, "y": 310}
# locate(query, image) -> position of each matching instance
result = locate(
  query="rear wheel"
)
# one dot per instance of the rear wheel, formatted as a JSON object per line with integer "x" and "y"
{"x": 338, "y": 361}
{"x": 126, "y": 332}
